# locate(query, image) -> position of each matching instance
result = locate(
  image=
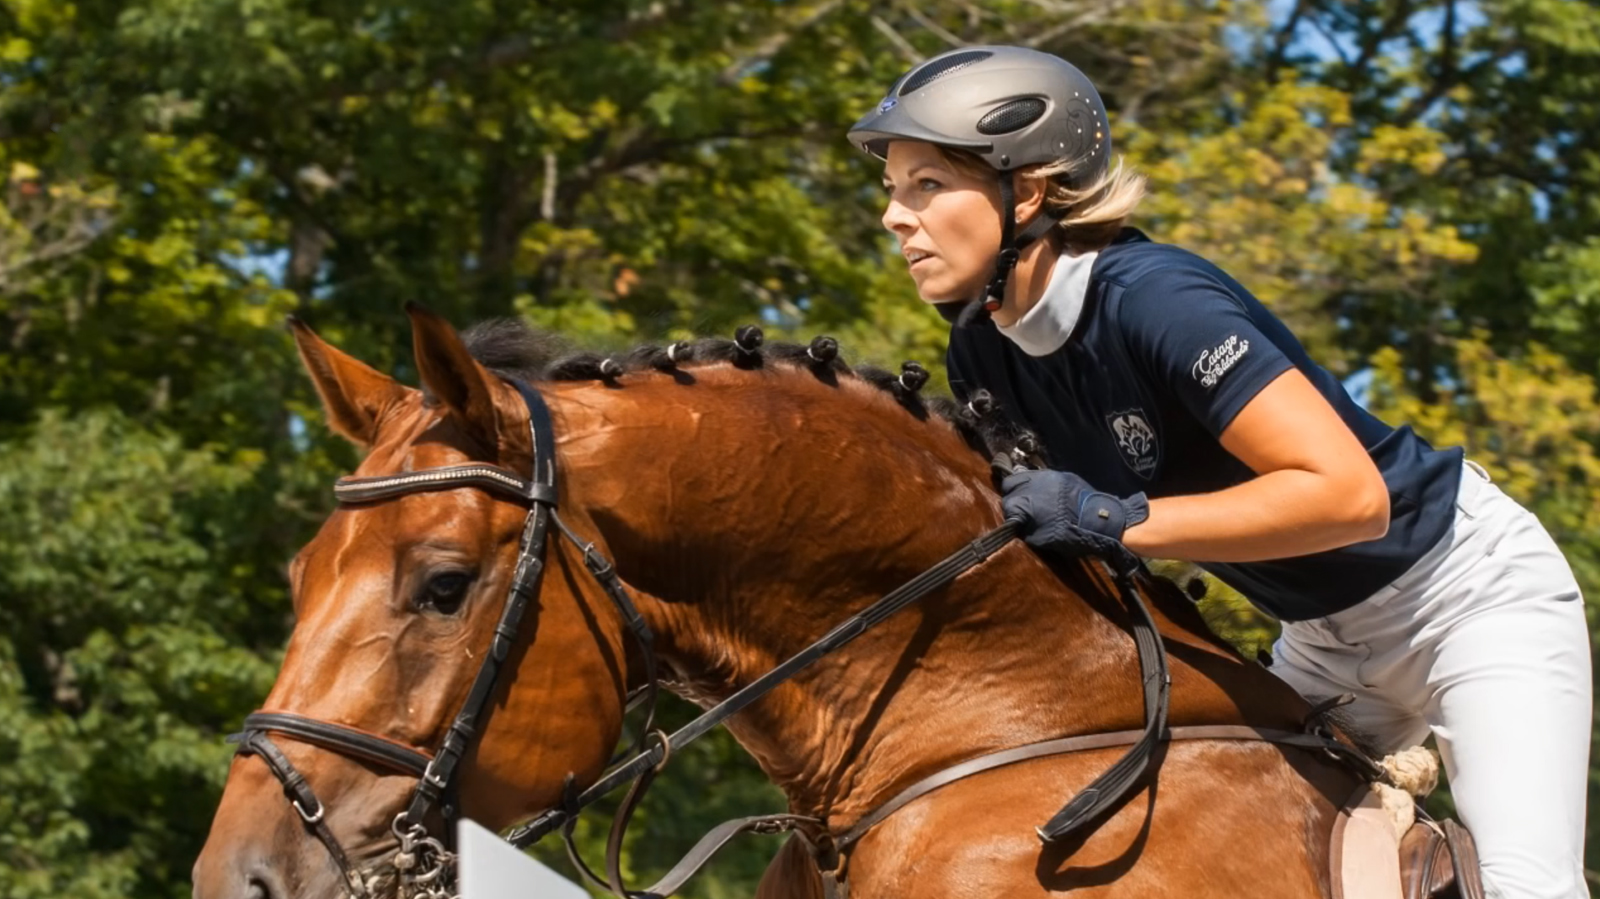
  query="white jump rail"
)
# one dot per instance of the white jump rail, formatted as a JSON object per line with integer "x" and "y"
{"x": 491, "y": 868}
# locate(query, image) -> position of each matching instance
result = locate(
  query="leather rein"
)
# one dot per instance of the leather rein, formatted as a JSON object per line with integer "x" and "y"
{"x": 424, "y": 865}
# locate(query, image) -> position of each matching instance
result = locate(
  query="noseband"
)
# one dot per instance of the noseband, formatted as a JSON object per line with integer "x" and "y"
{"x": 423, "y": 862}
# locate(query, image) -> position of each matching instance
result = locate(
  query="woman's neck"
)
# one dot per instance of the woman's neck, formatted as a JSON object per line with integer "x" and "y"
{"x": 1028, "y": 280}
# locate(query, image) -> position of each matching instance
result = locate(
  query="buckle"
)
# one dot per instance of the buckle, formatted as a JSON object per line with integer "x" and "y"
{"x": 306, "y": 816}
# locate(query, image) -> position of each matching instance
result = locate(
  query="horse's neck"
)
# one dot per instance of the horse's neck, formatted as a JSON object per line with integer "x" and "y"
{"x": 749, "y": 554}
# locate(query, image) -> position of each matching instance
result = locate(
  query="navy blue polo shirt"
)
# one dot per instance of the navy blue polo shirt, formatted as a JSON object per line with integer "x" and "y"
{"x": 1165, "y": 352}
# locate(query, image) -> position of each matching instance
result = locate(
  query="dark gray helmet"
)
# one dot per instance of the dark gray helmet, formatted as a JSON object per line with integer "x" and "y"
{"x": 1010, "y": 105}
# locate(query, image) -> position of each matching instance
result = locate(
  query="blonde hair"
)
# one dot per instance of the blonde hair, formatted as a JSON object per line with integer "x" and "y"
{"x": 1089, "y": 218}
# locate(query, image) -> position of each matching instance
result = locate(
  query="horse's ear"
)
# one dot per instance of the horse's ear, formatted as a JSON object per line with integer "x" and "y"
{"x": 354, "y": 395}
{"x": 450, "y": 373}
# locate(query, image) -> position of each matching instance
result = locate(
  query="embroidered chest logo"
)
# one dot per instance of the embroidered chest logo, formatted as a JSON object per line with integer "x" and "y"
{"x": 1137, "y": 441}
{"x": 1214, "y": 363}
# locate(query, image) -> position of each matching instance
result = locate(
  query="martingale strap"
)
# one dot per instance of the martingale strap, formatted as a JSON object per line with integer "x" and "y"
{"x": 1104, "y": 792}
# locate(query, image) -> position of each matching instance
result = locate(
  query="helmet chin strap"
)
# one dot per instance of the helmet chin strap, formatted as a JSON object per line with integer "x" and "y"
{"x": 964, "y": 313}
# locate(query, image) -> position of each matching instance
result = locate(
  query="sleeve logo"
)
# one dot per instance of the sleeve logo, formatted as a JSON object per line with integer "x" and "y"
{"x": 1215, "y": 363}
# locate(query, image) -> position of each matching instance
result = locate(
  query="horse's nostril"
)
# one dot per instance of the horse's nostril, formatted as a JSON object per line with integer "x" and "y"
{"x": 258, "y": 889}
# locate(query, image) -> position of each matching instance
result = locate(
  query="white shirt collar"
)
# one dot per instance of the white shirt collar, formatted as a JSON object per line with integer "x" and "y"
{"x": 1045, "y": 328}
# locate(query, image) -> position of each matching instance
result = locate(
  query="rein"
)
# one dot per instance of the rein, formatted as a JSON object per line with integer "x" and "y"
{"x": 425, "y": 866}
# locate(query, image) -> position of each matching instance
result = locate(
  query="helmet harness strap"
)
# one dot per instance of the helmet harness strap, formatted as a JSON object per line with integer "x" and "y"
{"x": 1009, "y": 253}
{"x": 1011, "y": 246}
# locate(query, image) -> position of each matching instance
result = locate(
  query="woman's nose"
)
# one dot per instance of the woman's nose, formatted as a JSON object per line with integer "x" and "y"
{"x": 898, "y": 219}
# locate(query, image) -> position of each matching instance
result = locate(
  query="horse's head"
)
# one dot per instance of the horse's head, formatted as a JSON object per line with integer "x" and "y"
{"x": 397, "y": 600}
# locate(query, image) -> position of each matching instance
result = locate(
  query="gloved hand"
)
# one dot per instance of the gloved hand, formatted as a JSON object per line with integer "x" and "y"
{"x": 1059, "y": 511}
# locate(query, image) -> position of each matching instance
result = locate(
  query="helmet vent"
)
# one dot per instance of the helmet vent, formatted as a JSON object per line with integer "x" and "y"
{"x": 941, "y": 67}
{"x": 1012, "y": 116}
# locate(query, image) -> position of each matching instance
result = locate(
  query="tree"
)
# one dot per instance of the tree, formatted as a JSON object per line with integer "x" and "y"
{"x": 1390, "y": 175}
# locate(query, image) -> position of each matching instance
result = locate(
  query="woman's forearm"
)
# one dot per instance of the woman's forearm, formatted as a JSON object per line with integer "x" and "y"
{"x": 1279, "y": 514}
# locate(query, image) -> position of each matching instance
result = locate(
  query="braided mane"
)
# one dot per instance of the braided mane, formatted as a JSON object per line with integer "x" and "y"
{"x": 511, "y": 349}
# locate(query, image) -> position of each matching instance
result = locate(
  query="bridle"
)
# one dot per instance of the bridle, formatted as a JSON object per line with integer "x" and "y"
{"x": 423, "y": 861}
{"x": 424, "y": 864}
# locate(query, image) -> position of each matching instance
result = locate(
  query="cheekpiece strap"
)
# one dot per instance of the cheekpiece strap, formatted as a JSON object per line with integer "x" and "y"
{"x": 543, "y": 488}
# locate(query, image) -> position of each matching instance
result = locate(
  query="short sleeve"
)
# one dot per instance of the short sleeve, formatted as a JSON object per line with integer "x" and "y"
{"x": 1197, "y": 338}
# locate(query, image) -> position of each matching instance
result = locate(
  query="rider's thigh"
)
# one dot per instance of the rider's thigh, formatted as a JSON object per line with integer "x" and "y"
{"x": 1318, "y": 665}
{"x": 1512, "y": 708}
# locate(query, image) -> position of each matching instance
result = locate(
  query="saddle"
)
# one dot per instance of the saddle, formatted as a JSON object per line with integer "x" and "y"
{"x": 1436, "y": 859}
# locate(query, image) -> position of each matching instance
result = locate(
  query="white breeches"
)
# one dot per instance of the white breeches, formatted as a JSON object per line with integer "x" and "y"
{"x": 1484, "y": 642}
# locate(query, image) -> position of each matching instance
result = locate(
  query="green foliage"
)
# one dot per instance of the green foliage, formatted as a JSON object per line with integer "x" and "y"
{"x": 1410, "y": 183}
{"x": 125, "y": 651}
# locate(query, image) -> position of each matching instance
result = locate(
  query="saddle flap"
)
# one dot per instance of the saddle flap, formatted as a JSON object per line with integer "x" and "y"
{"x": 1364, "y": 850}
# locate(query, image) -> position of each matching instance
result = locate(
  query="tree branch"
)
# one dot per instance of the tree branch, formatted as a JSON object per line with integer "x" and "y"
{"x": 775, "y": 42}
{"x": 1374, "y": 39}
{"x": 938, "y": 30}
{"x": 41, "y": 229}
{"x": 1285, "y": 36}
{"x": 900, "y": 43}
{"x": 1321, "y": 29}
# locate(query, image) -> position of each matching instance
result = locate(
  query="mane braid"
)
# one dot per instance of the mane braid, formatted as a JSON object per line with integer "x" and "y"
{"x": 511, "y": 349}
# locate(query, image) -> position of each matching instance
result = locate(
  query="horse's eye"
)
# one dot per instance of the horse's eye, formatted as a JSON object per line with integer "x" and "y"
{"x": 444, "y": 592}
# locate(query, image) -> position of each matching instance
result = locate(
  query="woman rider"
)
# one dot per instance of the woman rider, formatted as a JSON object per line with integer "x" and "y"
{"x": 1180, "y": 417}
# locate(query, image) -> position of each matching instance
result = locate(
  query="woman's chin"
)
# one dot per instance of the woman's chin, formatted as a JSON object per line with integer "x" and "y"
{"x": 940, "y": 297}
{"x": 932, "y": 292}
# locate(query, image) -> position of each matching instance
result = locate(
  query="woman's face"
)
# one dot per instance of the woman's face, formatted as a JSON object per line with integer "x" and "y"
{"x": 947, "y": 221}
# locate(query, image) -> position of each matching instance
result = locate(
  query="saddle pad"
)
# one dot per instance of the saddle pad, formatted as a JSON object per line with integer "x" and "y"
{"x": 1365, "y": 855}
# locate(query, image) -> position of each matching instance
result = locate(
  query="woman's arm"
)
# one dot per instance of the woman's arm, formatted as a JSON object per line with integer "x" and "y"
{"x": 1317, "y": 489}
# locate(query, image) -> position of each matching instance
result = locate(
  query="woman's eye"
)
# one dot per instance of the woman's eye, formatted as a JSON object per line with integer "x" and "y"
{"x": 928, "y": 184}
{"x": 445, "y": 592}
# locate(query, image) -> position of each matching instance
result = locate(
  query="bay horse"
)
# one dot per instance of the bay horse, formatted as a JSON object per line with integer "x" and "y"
{"x": 748, "y": 500}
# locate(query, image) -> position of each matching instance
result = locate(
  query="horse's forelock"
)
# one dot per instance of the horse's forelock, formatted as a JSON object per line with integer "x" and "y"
{"x": 512, "y": 349}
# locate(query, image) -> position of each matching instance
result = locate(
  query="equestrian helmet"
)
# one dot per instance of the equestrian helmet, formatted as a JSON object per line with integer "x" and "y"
{"x": 1011, "y": 106}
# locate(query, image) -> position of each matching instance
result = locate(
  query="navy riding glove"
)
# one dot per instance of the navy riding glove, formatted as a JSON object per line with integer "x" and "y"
{"x": 1060, "y": 511}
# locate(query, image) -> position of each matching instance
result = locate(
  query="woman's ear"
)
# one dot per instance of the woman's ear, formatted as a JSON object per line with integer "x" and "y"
{"x": 1028, "y": 189}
